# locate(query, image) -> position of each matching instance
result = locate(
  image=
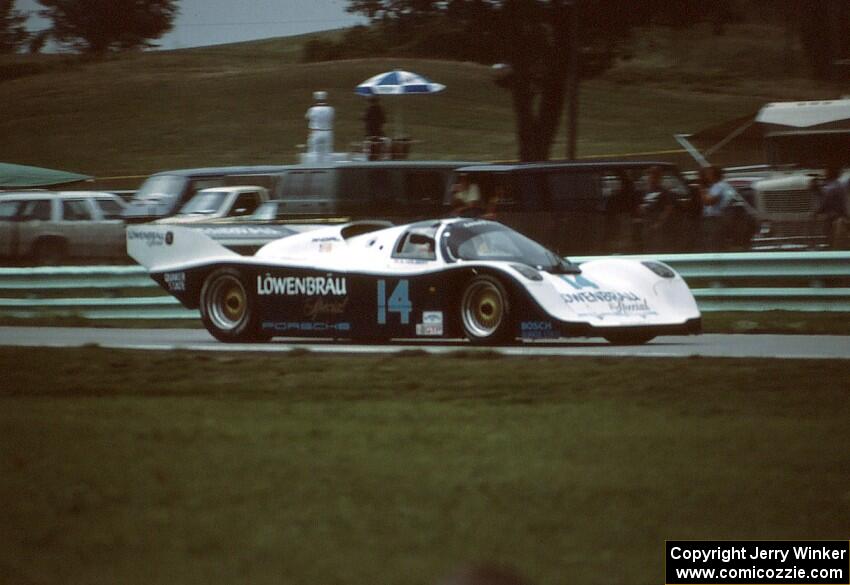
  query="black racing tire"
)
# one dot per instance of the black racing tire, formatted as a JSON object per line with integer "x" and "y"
{"x": 629, "y": 338}
{"x": 485, "y": 311}
{"x": 50, "y": 251}
{"x": 229, "y": 308}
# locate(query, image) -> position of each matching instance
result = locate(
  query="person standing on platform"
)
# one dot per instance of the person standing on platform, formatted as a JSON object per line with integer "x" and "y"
{"x": 320, "y": 121}
{"x": 374, "y": 118}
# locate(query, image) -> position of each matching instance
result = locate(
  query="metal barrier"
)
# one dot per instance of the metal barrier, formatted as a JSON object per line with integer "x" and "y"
{"x": 820, "y": 283}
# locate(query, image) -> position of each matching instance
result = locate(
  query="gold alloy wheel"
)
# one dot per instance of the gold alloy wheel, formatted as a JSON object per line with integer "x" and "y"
{"x": 483, "y": 309}
{"x": 227, "y": 302}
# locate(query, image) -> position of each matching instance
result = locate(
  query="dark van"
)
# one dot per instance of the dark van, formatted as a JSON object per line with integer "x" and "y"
{"x": 391, "y": 190}
{"x": 583, "y": 207}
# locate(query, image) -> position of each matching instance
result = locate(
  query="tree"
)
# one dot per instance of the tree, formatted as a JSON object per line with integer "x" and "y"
{"x": 13, "y": 35}
{"x": 537, "y": 61}
{"x": 824, "y": 28}
{"x": 100, "y": 26}
{"x": 532, "y": 37}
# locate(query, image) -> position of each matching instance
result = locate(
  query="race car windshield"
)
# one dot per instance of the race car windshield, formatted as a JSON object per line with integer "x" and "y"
{"x": 487, "y": 240}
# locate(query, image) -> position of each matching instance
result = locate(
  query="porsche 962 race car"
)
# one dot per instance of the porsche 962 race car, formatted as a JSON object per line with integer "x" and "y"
{"x": 448, "y": 278}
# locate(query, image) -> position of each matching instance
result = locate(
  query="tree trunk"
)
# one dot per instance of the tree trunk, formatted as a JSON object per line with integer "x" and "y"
{"x": 539, "y": 90}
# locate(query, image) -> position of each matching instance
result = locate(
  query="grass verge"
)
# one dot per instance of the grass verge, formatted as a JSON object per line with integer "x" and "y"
{"x": 171, "y": 467}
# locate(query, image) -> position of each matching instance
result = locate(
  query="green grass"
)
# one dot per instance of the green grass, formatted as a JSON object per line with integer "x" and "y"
{"x": 244, "y": 103}
{"x": 175, "y": 467}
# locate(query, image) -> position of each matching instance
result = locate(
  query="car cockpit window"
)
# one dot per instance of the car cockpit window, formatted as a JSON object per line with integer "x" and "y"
{"x": 487, "y": 240}
{"x": 417, "y": 244}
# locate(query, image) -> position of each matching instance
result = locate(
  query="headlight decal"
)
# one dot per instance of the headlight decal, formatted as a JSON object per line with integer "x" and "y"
{"x": 659, "y": 268}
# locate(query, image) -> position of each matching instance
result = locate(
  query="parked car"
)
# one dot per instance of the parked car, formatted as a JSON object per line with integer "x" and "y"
{"x": 218, "y": 202}
{"x": 449, "y": 278}
{"x": 163, "y": 194}
{"x": 306, "y": 196}
{"x": 48, "y": 227}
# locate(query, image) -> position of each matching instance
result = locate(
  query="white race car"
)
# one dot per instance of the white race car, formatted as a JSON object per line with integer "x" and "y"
{"x": 447, "y": 278}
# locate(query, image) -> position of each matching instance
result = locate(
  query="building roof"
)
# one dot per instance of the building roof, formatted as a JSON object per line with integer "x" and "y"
{"x": 559, "y": 165}
{"x": 806, "y": 114}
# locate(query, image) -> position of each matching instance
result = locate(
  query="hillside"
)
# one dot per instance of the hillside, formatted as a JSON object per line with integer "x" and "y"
{"x": 244, "y": 103}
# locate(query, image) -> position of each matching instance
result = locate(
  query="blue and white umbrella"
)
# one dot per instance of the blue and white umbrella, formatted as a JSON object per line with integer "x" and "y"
{"x": 398, "y": 83}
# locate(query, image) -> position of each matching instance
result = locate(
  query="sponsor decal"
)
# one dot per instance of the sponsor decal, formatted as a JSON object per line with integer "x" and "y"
{"x": 426, "y": 330}
{"x": 539, "y": 330}
{"x": 474, "y": 223}
{"x": 579, "y": 282}
{"x": 432, "y": 317}
{"x": 310, "y": 286}
{"x": 175, "y": 281}
{"x": 410, "y": 261}
{"x": 602, "y": 296}
{"x": 609, "y": 304}
{"x": 315, "y": 307}
{"x": 432, "y": 323}
{"x": 604, "y": 303}
{"x": 151, "y": 238}
{"x": 284, "y": 326}
{"x": 326, "y": 244}
{"x": 241, "y": 231}
{"x": 623, "y": 308}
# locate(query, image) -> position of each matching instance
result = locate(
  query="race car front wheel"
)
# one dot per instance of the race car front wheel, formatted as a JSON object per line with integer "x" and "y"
{"x": 228, "y": 309}
{"x": 485, "y": 311}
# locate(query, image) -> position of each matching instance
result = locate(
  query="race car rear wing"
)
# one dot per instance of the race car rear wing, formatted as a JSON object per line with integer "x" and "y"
{"x": 163, "y": 247}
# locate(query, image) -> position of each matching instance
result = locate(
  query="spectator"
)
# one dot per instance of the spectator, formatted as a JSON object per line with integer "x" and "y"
{"x": 466, "y": 197}
{"x": 377, "y": 146}
{"x": 320, "y": 121}
{"x": 693, "y": 210}
{"x": 374, "y": 118}
{"x": 494, "y": 202}
{"x": 833, "y": 208}
{"x": 716, "y": 198}
{"x": 622, "y": 216}
{"x": 660, "y": 213}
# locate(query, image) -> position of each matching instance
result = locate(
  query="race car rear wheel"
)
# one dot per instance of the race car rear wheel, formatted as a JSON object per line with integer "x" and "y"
{"x": 228, "y": 308}
{"x": 629, "y": 338}
{"x": 485, "y": 311}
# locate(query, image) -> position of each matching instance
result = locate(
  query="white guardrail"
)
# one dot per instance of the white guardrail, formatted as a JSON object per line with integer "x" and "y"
{"x": 747, "y": 281}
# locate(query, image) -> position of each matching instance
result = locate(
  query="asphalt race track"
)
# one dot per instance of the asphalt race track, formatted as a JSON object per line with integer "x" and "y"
{"x": 744, "y": 346}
